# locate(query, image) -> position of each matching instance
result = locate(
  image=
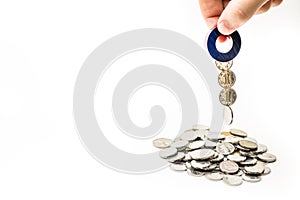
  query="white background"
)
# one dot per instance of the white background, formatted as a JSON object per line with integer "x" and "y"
{"x": 42, "y": 47}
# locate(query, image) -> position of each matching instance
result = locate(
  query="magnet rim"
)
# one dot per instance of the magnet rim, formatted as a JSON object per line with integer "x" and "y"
{"x": 223, "y": 57}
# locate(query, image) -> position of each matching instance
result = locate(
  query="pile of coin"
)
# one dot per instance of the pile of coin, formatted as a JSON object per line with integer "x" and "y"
{"x": 229, "y": 156}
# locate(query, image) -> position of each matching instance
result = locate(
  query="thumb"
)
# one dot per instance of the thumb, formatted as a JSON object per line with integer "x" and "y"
{"x": 236, "y": 13}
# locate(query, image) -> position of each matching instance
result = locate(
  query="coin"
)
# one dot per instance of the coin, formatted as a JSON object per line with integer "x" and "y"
{"x": 188, "y": 165}
{"x": 179, "y": 156}
{"x": 162, "y": 143}
{"x": 251, "y": 161}
{"x": 201, "y": 154}
{"x": 261, "y": 149}
{"x": 210, "y": 144}
{"x": 226, "y": 79}
{"x": 219, "y": 158}
{"x": 181, "y": 144}
{"x": 236, "y": 158}
{"x": 194, "y": 172}
{"x": 199, "y": 165}
{"x": 228, "y": 115}
{"x": 229, "y": 167}
{"x": 168, "y": 152}
{"x": 232, "y": 139}
{"x": 226, "y": 133}
{"x": 227, "y": 97}
{"x": 214, "y": 136}
{"x": 201, "y": 134}
{"x": 267, "y": 170}
{"x": 256, "y": 169}
{"x": 225, "y": 148}
{"x": 187, "y": 157}
{"x": 251, "y": 179}
{"x": 196, "y": 144}
{"x": 224, "y": 65}
{"x": 267, "y": 157}
{"x": 248, "y": 144}
{"x": 233, "y": 180}
{"x": 189, "y": 135}
{"x": 200, "y": 127}
{"x": 238, "y": 132}
{"x": 215, "y": 176}
{"x": 178, "y": 166}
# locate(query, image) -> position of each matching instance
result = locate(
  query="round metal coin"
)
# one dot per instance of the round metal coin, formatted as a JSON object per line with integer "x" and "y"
{"x": 229, "y": 167}
{"x": 248, "y": 144}
{"x": 168, "y": 152}
{"x": 181, "y": 144}
{"x": 199, "y": 165}
{"x": 233, "y": 180}
{"x": 225, "y": 148}
{"x": 189, "y": 135}
{"x": 162, "y": 143}
{"x": 251, "y": 179}
{"x": 179, "y": 156}
{"x": 196, "y": 144}
{"x": 236, "y": 158}
{"x": 202, "y": 154}
{"x": 194, "y": 172}
{"x": 257, "y": 169}
{"x": 238, "y": 132}
{"x": 178, "y": 166}
{"x": 267, "y": 170}
{"x": 267, "y": 157}
{"x": 215, "y": 176}
{"x": 261, "y": 149}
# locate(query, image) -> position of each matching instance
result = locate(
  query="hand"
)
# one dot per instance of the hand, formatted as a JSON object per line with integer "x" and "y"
{"x": 228, "y": 15}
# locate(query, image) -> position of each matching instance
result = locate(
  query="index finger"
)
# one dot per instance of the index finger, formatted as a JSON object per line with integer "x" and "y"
{"x": 211, "y": 11}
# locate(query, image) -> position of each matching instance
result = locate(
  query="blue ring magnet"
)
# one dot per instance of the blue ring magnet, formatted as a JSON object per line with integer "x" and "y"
{"x": 223, "y": 57}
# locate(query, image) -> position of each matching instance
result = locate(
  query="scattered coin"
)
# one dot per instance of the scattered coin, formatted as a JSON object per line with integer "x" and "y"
{"x": 162, "y": 143}
{"x": 267, "y": 170}
{"x": 229, "y": 167}
{"x": 256, "y": 169}
{"x": 215, "y": 176}
{"x": 179, "y": 156}
{"x": 233, "y": 180}
{"x": 210, "y": 144}
{"x": 251, "y": 179}
{"x": 181, "y": 144}
{"x": 225, "y": 148}
{"x": 168, "y": 152}
{"x": 199, "y": 165}
{"x": 261, "y": 149}
{"x": 250, "y": 161}
{"x": 189, "y": 135}
{"x": 201, "y": 154}
{"x": 219, "y": 158}
{"x": 196, "y": 144}
{"x": 248, "y": 144}
{"x": 237, "y": 132}
{"x": 232, "y": 139}
{"x": 215, "y": 136}
{"x": 194, "y": 172}
{"x": 267, "y": 157}
{"x": 236, "y": 158}
{"x": 178, "y": 166}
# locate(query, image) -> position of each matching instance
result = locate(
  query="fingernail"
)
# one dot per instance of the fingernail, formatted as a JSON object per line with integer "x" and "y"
{"x": 225, "y": 27}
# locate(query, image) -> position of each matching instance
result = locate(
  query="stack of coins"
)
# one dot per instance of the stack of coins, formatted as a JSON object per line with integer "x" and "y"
{"x": 229, "y": 156}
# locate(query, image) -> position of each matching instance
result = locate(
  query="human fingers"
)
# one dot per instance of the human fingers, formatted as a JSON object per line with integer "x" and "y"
{"x": 211, "y": 11}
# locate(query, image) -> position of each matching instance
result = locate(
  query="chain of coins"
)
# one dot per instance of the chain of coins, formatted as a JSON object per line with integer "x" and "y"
{"x": 226, "y": 80}
{"x": 229, "y": 156}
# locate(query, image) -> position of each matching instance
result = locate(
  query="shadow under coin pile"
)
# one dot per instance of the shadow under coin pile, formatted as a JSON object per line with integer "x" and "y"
{"x": 229, "y": 156}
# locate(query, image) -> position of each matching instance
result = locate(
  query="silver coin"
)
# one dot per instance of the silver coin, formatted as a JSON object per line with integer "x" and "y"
{"x": 248, "y": 162}
{"x": 215, "y": 176}
{"x": 199, "y": 165}
{"x": 236, "y": 158}
{"x": 194, "y": 172}
{"x": 180, "y": 145}
{"x": 232, "y": 139}
{"x": 267, "y": 170}
{"x": 200, "y": 127}
{"x": 256, "y": 169}
{"x": 201, "y": 154}
{"x": 229, "y": 167}
{"x": 162, "y": 143}
{"x": 233, "y": 180}
{"x": 210, "y": 144}
{"x": 168, "y": 152}
{"x": 225, "y": 148}
{"x": 219, "y": 158}
{"x": 227, "y": 96}
{"x": 267, "y": 157}
{"x": 251, "y": 179}
{"x": 261, "y": 149}
{"x": 178, "y": 166}
{"x": 215, "y": 136}
{"x": 238, "y": 132}
{"x": 250, "y": 139}
{"x": 243, "y": 149}
{"x": 239, "y": 173}
{"x": 248, "y": 144}
{"x": 196, "y": 144}
{"x": 189, "y": 135}
{"x": 179, "y": 156}
{"x": 210, "y": 167}
{"x": 228, "y": 115}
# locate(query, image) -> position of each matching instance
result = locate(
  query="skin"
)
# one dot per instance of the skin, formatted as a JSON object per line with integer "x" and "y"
{"x": 228, "y": 15}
